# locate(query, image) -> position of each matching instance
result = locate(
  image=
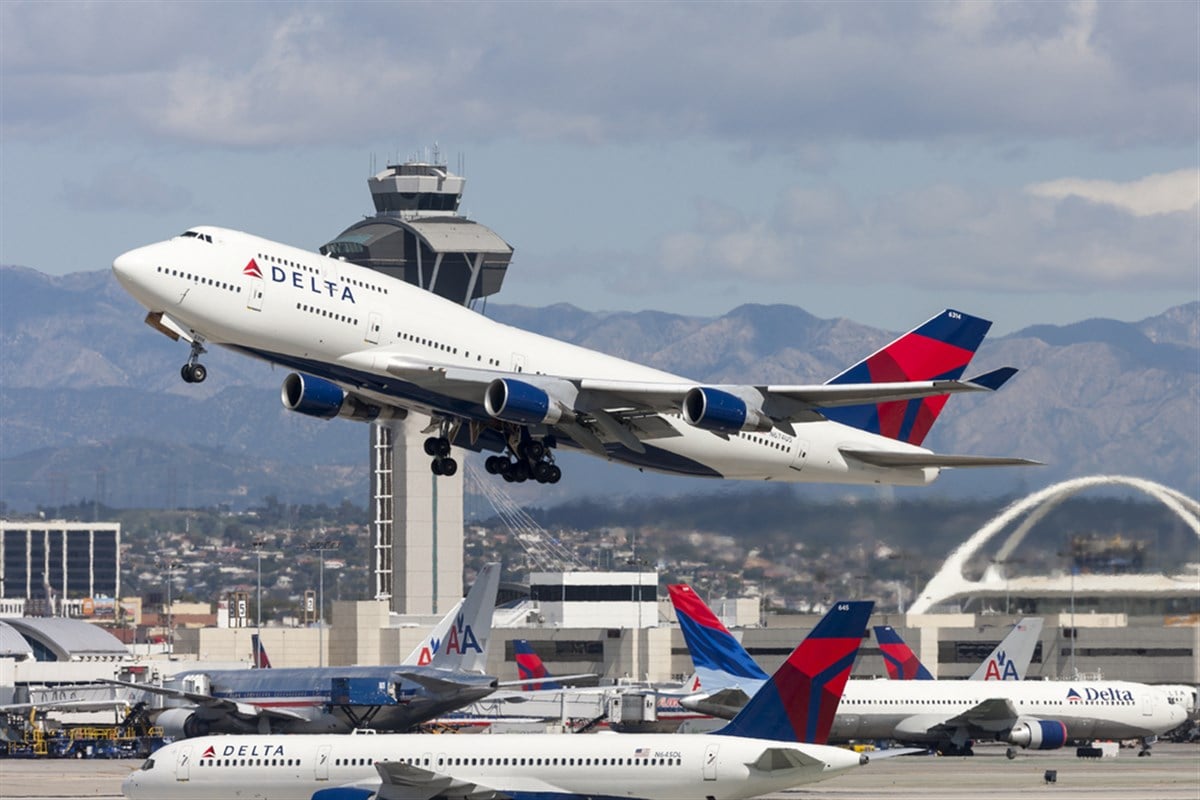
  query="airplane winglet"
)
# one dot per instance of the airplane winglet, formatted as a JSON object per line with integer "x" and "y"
{"x": 995, "y": 379}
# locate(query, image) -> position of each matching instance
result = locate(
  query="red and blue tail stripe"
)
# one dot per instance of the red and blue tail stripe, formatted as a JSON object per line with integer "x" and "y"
{"x": 711, "y": 644}
{"x": 798, "y": 702}
{"x": 530, "y": 666}
{"x": 939, "y": 349}
{"x": 901, "y": 662}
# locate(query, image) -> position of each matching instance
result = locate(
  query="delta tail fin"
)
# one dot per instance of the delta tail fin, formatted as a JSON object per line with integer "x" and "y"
{"x": 530, "y": 667}
{"x": 720, "y": 660}
{"x": 1010, "y": 660}
{"x": 938, "y": 349}
{"x": 261, "y": 661}
{"x": 901, "y": 662}
{"x": 798, "y": 702}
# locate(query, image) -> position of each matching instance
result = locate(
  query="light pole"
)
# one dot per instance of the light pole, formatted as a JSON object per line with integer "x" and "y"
{"x": 258, "y": 546}
{"x": 171, "y": 567}
{"x": 321, "y": 545}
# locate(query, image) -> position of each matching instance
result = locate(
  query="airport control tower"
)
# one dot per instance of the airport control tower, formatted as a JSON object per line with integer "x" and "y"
{"x": 417, "y": 235}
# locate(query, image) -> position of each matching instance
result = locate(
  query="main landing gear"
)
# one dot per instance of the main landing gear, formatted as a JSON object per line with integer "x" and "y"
{"x": 439, "y": 448}
{"x": 193, "y": 371}
{"x": 531, "y": 459}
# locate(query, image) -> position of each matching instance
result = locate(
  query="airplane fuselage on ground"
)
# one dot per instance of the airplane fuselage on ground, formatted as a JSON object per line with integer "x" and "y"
{"x": 659, "y": 766}
{"x": 391, "y": 347}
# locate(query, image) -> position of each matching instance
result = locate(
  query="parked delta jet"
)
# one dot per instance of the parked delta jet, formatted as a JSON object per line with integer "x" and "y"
{"x": 775, "y": 744}
{"x": 1009, "y": 661}
{"x": 368, "y": 346}
{"x": 444, "y": 672}
{"x": 949, "y": 715}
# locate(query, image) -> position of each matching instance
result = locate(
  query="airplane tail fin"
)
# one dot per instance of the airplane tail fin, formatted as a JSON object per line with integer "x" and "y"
{"x": 719, "y": 658}
{"x": 901, "y": 662}
{"x": 464, "y": 646}
{"x": 261, "y": 661}
{"x": 530, "y": 667}
{"x": 1010, "y": 660}
{"x": 938, "y": 349}
{"x": 798, "y": 702}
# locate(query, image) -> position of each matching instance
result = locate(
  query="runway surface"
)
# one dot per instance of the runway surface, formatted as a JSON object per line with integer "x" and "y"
{"x": 1172, "y": 773}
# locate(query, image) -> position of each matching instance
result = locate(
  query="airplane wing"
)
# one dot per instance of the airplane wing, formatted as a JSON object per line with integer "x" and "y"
{"x": 882, "y": 458}
{"x": 210, "y": 703}
{"x": 438, "y": 684}
{"x": 401, "y": 781}
{"x": 621, "y": 409}
{"x": 994, "y": 714}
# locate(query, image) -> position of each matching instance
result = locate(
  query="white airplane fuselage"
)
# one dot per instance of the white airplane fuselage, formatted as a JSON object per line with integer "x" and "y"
{"x": 905, "y": 710}
{"x": 335, "y": 320}
{"x": 659, "y": 766}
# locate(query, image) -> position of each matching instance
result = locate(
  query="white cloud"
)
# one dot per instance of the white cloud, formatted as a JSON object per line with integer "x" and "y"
{"x": 1164, "y": 193}
{"x": 949, "y": 238}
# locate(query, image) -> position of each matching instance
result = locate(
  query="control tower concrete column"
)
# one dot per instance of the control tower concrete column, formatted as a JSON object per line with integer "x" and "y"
{"x": 418, "y": 522}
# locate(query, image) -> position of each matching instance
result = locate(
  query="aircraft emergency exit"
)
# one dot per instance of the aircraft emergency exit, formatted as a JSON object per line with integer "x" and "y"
{"x": 367, "y": 346}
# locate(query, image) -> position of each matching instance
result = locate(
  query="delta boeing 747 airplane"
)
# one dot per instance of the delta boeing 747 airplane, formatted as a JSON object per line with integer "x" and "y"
{"x": 368, "y": 346}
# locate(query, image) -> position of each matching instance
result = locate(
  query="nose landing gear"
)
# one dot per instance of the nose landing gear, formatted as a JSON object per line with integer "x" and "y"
{"x": 193, "y": 371}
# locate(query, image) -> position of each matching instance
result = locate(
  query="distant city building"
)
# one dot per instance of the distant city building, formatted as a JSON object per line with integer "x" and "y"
{"x": 57, "y": 564}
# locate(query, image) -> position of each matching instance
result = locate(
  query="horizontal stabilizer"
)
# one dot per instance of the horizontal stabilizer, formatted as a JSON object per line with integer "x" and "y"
{"x": 774, "y": 759}
{"x": 995, "y": 379}
{"x": 882, "y": 458}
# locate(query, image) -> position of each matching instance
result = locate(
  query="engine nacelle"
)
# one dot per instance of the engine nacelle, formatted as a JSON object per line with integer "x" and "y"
{"x": 318, "y": 397}
{"x": 1038, "y": 734}
{"x": 181, "y": 723}
{"x": 516, "y": 401}
{"x": 715, "y": 410}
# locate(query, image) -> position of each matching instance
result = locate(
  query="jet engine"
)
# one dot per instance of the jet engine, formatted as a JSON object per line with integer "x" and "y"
{"x": 523, "y": 403}
{"x": 716, "y": 410}
{"x": 1038, "y": 734}
{"x": 318, "y": 397}
{"x": 182, "y": 723}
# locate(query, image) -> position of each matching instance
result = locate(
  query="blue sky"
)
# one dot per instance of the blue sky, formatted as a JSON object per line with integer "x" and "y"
{"x": 880, "y": 161}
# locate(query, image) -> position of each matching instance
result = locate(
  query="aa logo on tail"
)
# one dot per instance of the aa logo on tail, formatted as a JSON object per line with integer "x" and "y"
{"x": 1001, "y": 668}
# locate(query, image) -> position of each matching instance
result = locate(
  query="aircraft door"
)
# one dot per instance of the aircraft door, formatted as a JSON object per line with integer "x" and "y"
{"x": 1147, "y": 706}
{"x": 321, "y": 767}
{"x": 518, "y": 362}
{"x": 183, "y": 764}
{"x": 254, "y": 294}
{"x": 710, "y": 762}
{"x": 799, "y": 454}
{"x": 374, "y": 325}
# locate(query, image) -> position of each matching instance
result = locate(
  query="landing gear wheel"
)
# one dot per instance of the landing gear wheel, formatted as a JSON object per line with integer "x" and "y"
{"x": 449, "y": 466}
{"x": 555, "y": 474}
{"x": 541, "y": 472}
{"x": 532, "y": 450}
{"x": 431, "y": 446}
{"x": 1010, "y": 754}
{"x": 435, "y": 466}
{"x": 495, "y": 464}
{"x": 193, "y": 373}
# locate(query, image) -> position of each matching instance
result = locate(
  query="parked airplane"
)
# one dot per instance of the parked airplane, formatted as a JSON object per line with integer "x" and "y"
{"x": 1042, "y": 715}
{"x": 443, "y": 673}
{"x": 772, "y": 745}
{"x": 530, "y": 668}
{"x": 1009, "y": 661}
{"x": 368, "y": 346}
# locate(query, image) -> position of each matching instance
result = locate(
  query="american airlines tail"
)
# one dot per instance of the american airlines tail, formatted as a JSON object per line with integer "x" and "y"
{"x": 798, "y": 702}
{"x": 939, "y": 349}
{"x": 901, "y": 662}
{"x": 531, "y": 668}
{"x": 1011, "y": 658}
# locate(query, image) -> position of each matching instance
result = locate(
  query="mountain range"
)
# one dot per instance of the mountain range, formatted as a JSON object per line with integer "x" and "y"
{"x": 92, "y": 406}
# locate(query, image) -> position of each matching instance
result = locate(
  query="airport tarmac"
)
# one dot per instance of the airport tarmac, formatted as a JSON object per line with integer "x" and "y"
{"x": 1172, "y": 773}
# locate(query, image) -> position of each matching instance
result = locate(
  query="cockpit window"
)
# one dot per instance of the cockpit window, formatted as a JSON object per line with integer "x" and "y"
{"x": 204, "y": 237}
{"x": 149, "y": 765}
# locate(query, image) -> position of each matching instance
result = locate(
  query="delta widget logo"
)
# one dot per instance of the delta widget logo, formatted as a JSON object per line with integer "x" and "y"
{"x": 252, "y": 269}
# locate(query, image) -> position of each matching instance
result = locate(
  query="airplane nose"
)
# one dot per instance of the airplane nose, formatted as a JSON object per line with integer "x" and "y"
{"x": 124, "y": 264}
{"x": 129, "y": 785}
